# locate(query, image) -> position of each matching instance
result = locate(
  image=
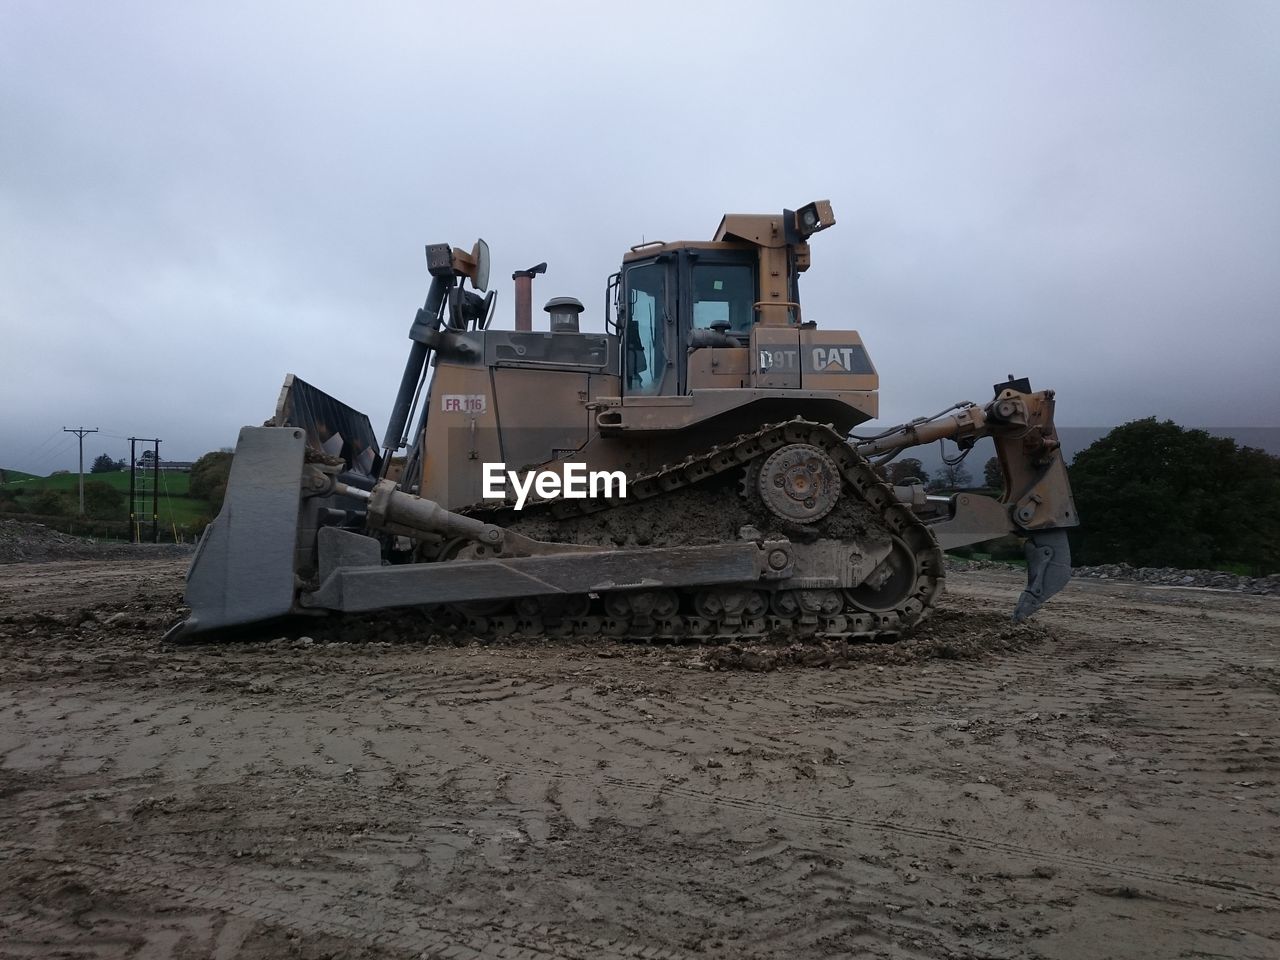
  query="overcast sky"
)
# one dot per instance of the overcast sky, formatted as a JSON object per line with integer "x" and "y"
{"x": 196, "y": 199}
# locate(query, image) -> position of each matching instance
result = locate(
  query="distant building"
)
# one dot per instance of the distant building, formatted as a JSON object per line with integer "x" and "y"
{"x": 178, "y": 466}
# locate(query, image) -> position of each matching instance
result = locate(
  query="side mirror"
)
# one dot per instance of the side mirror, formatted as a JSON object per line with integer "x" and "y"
{"x": 480, "y": 254}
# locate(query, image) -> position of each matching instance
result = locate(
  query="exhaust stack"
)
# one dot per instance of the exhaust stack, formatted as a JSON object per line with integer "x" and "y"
{"x": 524, "y": 295}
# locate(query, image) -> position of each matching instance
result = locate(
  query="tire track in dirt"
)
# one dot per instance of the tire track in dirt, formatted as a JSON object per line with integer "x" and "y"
{"x": 951, "y": 687}
{"x": 777, "y": 903}
{"x": 620, "y": 792}
{"x": 775, "y": 809}
{"x": 309, "y": 907}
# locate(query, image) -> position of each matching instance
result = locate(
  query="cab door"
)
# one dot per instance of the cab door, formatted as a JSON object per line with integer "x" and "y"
{"x": 648, "y": 325}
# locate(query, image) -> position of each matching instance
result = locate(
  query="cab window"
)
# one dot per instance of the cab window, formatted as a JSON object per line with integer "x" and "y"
{"x": 724, "y": 293}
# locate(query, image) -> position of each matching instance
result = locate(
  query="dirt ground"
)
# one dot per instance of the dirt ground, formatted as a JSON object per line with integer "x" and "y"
{"x": 1102, "y": 783}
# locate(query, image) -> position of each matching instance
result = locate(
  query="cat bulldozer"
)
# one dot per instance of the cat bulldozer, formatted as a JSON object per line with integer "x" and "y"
{"x": 690, "y": 471}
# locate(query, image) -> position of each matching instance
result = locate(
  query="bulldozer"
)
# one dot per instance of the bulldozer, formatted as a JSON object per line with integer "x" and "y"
{"x": 691, "y": 471}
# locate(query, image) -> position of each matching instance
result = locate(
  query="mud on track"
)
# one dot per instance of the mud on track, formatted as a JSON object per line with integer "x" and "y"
{"x": 1103, "y": 783}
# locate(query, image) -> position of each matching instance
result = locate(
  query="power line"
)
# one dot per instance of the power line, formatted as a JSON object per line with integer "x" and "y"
{"x": 32, "y": 454}
{"x": 41, "y": 452}
{"x": 52, "y": 454}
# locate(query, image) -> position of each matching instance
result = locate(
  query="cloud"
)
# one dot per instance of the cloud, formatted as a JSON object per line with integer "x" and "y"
{"x": 195, "y": 200}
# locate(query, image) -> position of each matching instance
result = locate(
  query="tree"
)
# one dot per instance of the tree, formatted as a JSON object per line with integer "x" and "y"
{"x": 908, "y": 468}
{"x": 51, "y": 503}
{"x": 1155, "y": 494}
{"x": 103, "y": 501}
{"x": 991, "y": 474}
{"x": 102, "y": 464}
{"x": 1255, "y": 510}
{"x": 209, "y": 477}
{"x": 952, "y": 476}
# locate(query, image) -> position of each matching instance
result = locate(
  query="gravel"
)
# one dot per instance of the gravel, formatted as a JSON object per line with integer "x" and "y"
{"x": 23, "y": 542}
{"x": 1169, "y": 576}
{"x": 1163, "y": 576}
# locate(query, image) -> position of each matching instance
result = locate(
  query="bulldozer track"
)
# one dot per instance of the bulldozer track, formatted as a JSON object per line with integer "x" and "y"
{"x": 820, "y": 618}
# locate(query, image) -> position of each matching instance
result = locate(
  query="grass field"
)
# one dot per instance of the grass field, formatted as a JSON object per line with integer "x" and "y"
{"x": 172, "y": 482}
{"x": 177, "y": 508}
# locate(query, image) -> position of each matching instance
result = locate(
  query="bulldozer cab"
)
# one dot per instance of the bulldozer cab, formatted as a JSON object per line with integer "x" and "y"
{"x": 725, "y": 314}
{"x": 663, "y": 298}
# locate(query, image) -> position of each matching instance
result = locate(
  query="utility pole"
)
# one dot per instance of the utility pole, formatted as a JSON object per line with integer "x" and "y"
{"x": 80, "y": 432}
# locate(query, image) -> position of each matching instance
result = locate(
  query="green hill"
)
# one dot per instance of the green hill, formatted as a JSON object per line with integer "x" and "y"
{"x": 171, "y": 482}
{"x": 177, "y": 508}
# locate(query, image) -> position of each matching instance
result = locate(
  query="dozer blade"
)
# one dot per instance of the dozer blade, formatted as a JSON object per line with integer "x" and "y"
{"x": 1048, "y": 570}
{"x": 242, "y": 571}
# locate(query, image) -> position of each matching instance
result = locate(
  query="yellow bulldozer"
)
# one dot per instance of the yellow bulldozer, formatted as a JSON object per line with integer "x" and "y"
{"x": 692, "y": 471}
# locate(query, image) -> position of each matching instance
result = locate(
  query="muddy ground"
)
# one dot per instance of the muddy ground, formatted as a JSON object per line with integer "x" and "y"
{"x": 1102, "y": 783}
